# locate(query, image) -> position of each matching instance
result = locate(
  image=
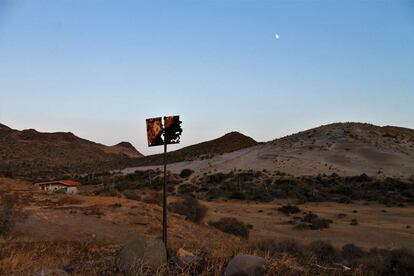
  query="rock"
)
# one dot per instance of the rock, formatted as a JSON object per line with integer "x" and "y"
{"x": 142, "y": 252}
{"x": 181, "y": 252}
{"x": 72, "y": 267}
{"x": 246, "y": 265}
{"x": 184, "y": 261}
{"x": 185, "y": 258}
{"x": 52, "y": 272}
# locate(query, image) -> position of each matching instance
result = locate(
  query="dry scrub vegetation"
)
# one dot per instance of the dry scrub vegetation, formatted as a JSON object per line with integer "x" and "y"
{"x": 9, "y": 212}
{"x": 24, "y": 257}
{"x": 283, "y": 258}
{"x": 189, "y": 207}
{"x": 261, "y": 186}
{"x": 90, "y": 256}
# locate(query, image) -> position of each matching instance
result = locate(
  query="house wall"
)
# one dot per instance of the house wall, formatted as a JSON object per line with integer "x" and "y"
{"x": 53, "y": 187}
{"x": 56, "y": 187}
{"x": 71, "y": 190}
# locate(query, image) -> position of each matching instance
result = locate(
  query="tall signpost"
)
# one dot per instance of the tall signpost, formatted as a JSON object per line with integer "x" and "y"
{"x": 163, "y": 133}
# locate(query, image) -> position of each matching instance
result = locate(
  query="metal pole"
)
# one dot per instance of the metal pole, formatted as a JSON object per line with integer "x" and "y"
{"x": 164, "y": 205}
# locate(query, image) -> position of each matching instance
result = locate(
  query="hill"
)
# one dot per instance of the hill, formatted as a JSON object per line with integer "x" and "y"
{"x": 36, "y": 154}
{"x": 230, "y": 142}
{"x": 342, "y": 148}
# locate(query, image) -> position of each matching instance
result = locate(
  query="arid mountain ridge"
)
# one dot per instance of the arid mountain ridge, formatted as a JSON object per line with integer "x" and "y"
{"x": 342, "y": 148}
{"x": 32, "y": 153}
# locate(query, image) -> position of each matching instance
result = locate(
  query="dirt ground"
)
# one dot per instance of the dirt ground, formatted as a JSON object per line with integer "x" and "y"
{"x": 104, "y": 219}
{"x": 378, "y": 226}
{"x": 59, "y": 230}
{"x": 118, "y": 220}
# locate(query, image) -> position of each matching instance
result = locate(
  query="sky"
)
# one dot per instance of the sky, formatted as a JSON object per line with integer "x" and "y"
{"x": 99, "y": 68}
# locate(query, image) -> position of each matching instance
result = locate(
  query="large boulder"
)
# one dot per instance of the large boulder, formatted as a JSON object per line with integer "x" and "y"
{"x": 246, "y": 265}
{"x": 142, "y": 254}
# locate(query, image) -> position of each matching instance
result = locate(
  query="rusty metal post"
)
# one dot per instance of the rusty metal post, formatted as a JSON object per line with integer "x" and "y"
{"x": 171, "y": 129}
{"x": 164, "y": 195}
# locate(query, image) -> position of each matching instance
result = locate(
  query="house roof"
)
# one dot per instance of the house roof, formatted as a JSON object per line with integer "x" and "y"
{"x": 62, "y": 182}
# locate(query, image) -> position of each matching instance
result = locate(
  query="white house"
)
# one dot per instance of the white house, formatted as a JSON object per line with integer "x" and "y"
{"x": 66, "y": 186}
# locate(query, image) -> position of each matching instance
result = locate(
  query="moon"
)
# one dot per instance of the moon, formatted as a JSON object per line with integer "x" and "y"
{"x": 276, "y": 36}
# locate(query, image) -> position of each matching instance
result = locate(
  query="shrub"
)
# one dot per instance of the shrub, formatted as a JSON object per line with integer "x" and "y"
{"x": 352, "y": 252}
{"x": 232, "y": 226}
{"x": 345, "y": 200}
{"x": 107, "y": 191}
{"x": 290, "y": 247}
{"x": 289, "y": 209}
{"x": 9, "y": 210}
{"x": 189, "y": 207}
{"x": 238, "y": 195}
{"x": 323, "y": 251}
{"x": 186, "y": 173}
{"x": 399, "y": 262}
{"x": 153, "y": 198}
{"x": 372, "y": 265}
{"x": 132, "y": 194}
{"x": 187, "y": 188}
{"x": 313, "y": 222}
{"x": 354, "y": 222}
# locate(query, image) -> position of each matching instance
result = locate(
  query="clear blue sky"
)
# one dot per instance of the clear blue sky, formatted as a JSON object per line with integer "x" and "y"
{"x": 99, "y": 68}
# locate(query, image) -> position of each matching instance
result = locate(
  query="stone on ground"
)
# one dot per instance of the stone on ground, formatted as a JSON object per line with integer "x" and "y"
{"x": 185, "y": 258}
{"x": 246, "y": 265}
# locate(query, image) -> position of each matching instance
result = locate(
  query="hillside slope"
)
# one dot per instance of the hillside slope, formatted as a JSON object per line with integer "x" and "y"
{"x": 230, "y": 142}
{"x": 29, "y": 152}
{"x": 342, "y": 148}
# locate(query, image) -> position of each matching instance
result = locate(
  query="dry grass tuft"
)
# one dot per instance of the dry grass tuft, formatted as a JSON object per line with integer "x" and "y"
{"x": 24, "y": 257}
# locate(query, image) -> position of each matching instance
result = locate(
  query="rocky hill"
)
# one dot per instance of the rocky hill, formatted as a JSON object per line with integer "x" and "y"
{"x": 342, "y": 148}
{"x": 33, "y": 153}
{"x": 230, "y": 142}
